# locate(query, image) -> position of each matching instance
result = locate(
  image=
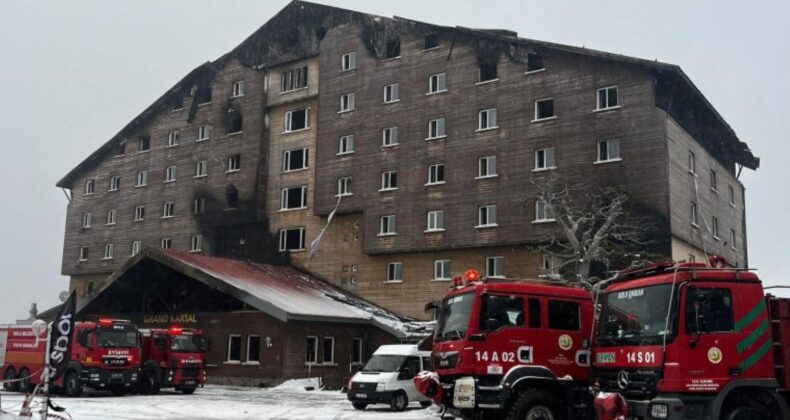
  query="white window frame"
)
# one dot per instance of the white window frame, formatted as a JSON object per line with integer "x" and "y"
{"x": 344, "y": 186}
{"x": 733, "y": 240}
{"x": 714, "y": 181}
{"x": 437, "y": 129}
{"x": 90, "y": 187}
{"x": 289, "y": 120}
{"x": 714, "y": 227}
{"x": 389, "y": 137}
{"x": 387, "y": 178}
{"x": 551, "y": 117}
{"x": 439, "y": 269}
{"x": 599, "y": 105}
{"x": 543, "y": 213}
{"x": 433, "y": 219}
{"x": 139, "y": 213}
{"x": 489, "y": 166}
{"x": 199, "y": 205}
{"x": 388, "y": 225}
{"x": 357, "y": 343}
{"x": 491, "y": 262}
{"x": 228, "y": 360}
{"x": 441, "y": 79}
{"x": 196, "y": 243}
{"x": 284, "y": 239}
{"x": 83, "y": 255}
{"x": 392, "y": 93}
{"x": 204, "y": 133}
{"x": 166, "y": 243}
{"x": 234, "y": 163}
{"x": 109, "y": 251}
{"x": 323, "y": 352}
{"x": 348, "y": 61}
{"x": 247, "y": 355}
{"x": 238, "y": 88}
{"x": 168, "y": 209}
{"x": 201, "y": 169}
{"x": 345, "y": 144}
{"x": 142, "y": 179}
{"x": 397, "y": 269}
{"x": 694, "y": 214}
{"x": 731, "y": 192}
{"x": 112, "y": 215}
{"x": 315, "y": 350}
{"x": 612, "y": 145}
{"x": 549, "y": 154}
{"x": 489, "y": 210}
{"x": 172, "y": 139}
{"x": 115, "y": 183}
{"x": 433, "y": 174}
{"x": 86, "y": 220}
{"x": 487, "y": 120}
{"x": 287, "y": 159}
{"x": 170, "y": 174}
{"x": 137, "y": 246}
{"x": 692, "y": 163}
{"x": 347, "y": 102}
{"x": 285, "y": 192}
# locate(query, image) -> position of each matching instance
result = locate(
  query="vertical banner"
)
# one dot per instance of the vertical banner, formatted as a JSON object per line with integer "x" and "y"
{"x": 61, "y": 337}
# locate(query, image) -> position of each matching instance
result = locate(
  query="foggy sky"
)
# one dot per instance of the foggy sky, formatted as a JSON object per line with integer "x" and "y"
{"x": 73, "y": 73}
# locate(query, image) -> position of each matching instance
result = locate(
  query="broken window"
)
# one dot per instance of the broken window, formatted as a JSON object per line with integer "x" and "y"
{"x": 253, "y": 348}
{"x": 231, "y": 197}
{"x": 294, "y": 160}
{"x": 178, "y": 103}
{"x": 292, "y": 239}
{"x": 234, "y": 348}
{"x": 120, "y": 149}
{"x": 431, "y": 41}
{"x": 392, "y": 49}
{"x": 203, "y": 95}
{"x": 329, "y": 350}
{"x": 143, "y": 143}
{"x": 233, "y": 121}
{"x": 297, "y": 119}
{"x": 535, "y": 62}
{"x": 293, "y": 198}
{"x": 356, "y": 351}
{"x": 544, "y": 109}
{"x": 293, "y": 79}
{"x": 488, "y": 72}
{"x": 312, "y": 349}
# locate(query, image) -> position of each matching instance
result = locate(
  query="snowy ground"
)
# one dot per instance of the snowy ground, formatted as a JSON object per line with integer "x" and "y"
{"x": 222, "y": 402}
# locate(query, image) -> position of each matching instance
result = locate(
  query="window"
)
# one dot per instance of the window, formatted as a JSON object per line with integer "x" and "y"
{"x": 111, "y": 217}
{"x": 139, "y": 213}
{"x": 344, "y": 186}
{"x": 201, "y": 168}
{"x": 329, "y": 350}
{"x": 178, "y": 103}
{"x": 391, "y": 93}
{"x": 347, "y": 102}
{"x": 535, "y": 318}
{"x": 441, "y": 270}
{"x": 349, "y": 61}
{"x": 501, "y": 311}
{"x": 168, "y": 209}
{"x": 548, "y": 264}
{"x": 486, "y": 167}
{"x": 543, "y": 212}
{"x": 708, "y": 310}
{"x": 387, "y": 226}
{"x": 172, "y": 139}
{"x": 356, "y": 351}
{"x": 294, "y": 160}
{"x": 120, "y": 148}
{"x": 713, "y": 181}
{"x": 487, "y": 72}
{"x": 234, "y": 348}
{"x": 392, "y": 48}
{"x": 89, "y": 187}
{"x": 486, "y": 215}
{"x": 733, "y": 239}
{"x": 144, "y": 143}
{"x": 142, "y": 179}
{"x": 435, "y": 221}
{"x": 389, "y": 137}
{"x": 238, "y": 88}
{"x": 436, "y": 174}
{"x": 137, "y": 246}
{"x": 607, "y": 98}
{"x": 199, "y": 205}
{"x": 431, "y": 41}
{"x": 196, "y": 244}
{"x": 231, "y": 198}
{"x": 292, "y": 239}
{"x": 293, "y": 198}
{"x": 389, "y": 181}
{"x": 234, "y": 163}
{"x": 109, "y": 251}
{"x": 170, "y": 174}
{"x": 166, "y": 243}
{"x": 487, "y": 119}
{"x": 312, "y": 350}
{"x": 298, "y": 119}
{"x": 115, "y": 183}
{"x": 293, "y": 79}
{"x": 203, "y": 95}
{"x": 535, "y": 62}
{"x": 692, "y": 162}
{"x": 83, "y": 253}
{"x": 495, "y": 267}
{"x": 544, "y": 109}
{"x": 203, "y": 133}
{"x": 234, "y": 121}
{"x": 86, "y": 220}
{"x": 437, "y": 83}
{"x": 608, "y": 150}
{"x": 394, "y": 272}
{"x": 253, "y": 348}
{"x": 436, "y": 129}
{"x": 345, "y": 144}
{"x": 544, "y": 159}
{"x": 714, "y": 227}
{"x": 565, "y": 316}
{"x": 731, "y": 195}
{"x": 694, "y": 215}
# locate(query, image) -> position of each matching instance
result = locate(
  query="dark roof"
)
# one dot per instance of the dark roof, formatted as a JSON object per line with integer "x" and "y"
{"x": 273, "y": 43}
{"x": 283, "y": 292}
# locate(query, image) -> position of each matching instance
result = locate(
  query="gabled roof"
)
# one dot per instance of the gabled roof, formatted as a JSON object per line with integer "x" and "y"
{"x": 277, "y": 41}
{"x": 283, "y": 292}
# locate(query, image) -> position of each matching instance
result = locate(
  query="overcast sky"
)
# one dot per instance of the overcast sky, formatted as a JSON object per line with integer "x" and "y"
{"x": 73, "y": 73}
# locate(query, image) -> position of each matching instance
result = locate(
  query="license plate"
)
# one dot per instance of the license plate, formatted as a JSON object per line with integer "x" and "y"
{"x": 189, "y": 382}
{"x": 361, "y": 395}
{"x": 116, "y": 375}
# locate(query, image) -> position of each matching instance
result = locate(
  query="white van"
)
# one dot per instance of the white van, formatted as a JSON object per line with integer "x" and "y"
{"x": 388, "y": 376}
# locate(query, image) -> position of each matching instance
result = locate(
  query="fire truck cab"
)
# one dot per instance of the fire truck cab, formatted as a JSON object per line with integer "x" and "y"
{"x": 691, "y": 341}
{"x": 173, "y": 357}
{"x": 512, "y": 350}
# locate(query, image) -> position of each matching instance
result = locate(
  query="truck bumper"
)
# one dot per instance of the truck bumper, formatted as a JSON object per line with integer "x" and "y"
{"x": 106, "y": 379}
{"x": 659, "y": 408}
{"x": 370, "y": 397}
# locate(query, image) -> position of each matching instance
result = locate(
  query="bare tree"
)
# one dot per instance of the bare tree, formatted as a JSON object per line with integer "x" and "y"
{"x": 593, "y": 225}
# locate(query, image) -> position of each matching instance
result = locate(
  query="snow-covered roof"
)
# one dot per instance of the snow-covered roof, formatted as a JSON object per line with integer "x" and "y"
{"x": 283, "y": 292}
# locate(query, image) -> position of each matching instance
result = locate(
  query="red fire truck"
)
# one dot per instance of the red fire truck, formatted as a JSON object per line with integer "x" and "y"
{"x": 174, "y": 357}
{"x": 105, "y": 355}
{"x": 511, "y": 350}
{"x": 691, "y": 341}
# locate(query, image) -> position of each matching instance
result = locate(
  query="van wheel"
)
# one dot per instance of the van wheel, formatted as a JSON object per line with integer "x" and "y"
{"x": 399, "y": 401}
{"x": 359, "y": 405}
{"x": 535, "y": 404}
{"x": 72, "y": 385}
{"x": 425, "y": 404}
{"x": 24, "y": 380}
{"x": 9, "y": 380}
{"x": 149, "y": 385}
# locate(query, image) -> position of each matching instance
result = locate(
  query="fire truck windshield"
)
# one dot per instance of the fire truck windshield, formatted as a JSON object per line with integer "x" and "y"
{"x": 109, "y": 338}
{"x": 453, "y": 319}
{"x": 635, "y": 316}
{"x": 187, "y": 344}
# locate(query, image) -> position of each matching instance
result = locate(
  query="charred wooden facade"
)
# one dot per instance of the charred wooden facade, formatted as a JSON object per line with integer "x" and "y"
{"x": 330, "y": 85}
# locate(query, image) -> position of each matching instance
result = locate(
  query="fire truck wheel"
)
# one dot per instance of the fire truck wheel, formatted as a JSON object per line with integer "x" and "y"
{"x": 72, "y": 385}
{"x": 399, "y": 401}
{"x": 535, "y": 404}
{"x": 748, "y": 413}
{"x": 359, "y": 405}
{"x": 188, "y": 391}
{"x": 425, "y": 404}
{"x": 149, "y": 384}
{"x": 10, "y": 385}
{"x": 24, "y": 380}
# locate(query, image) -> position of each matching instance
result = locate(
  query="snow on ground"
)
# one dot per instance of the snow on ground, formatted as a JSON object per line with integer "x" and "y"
{"x": 222, "y": 402}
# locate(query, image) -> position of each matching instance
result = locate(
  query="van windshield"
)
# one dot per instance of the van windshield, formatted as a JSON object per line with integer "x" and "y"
{"x": 453, "y": 319}
{"x": 384, "y": 363}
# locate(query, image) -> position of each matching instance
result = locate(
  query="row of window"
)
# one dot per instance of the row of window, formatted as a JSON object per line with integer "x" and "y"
{"x": 714, "y": 182}
{"x": 327, "y": 350}
{"x": 442, "y": 270}
{"x": 713, "y": 228}
{"x": 196, "y": 245}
